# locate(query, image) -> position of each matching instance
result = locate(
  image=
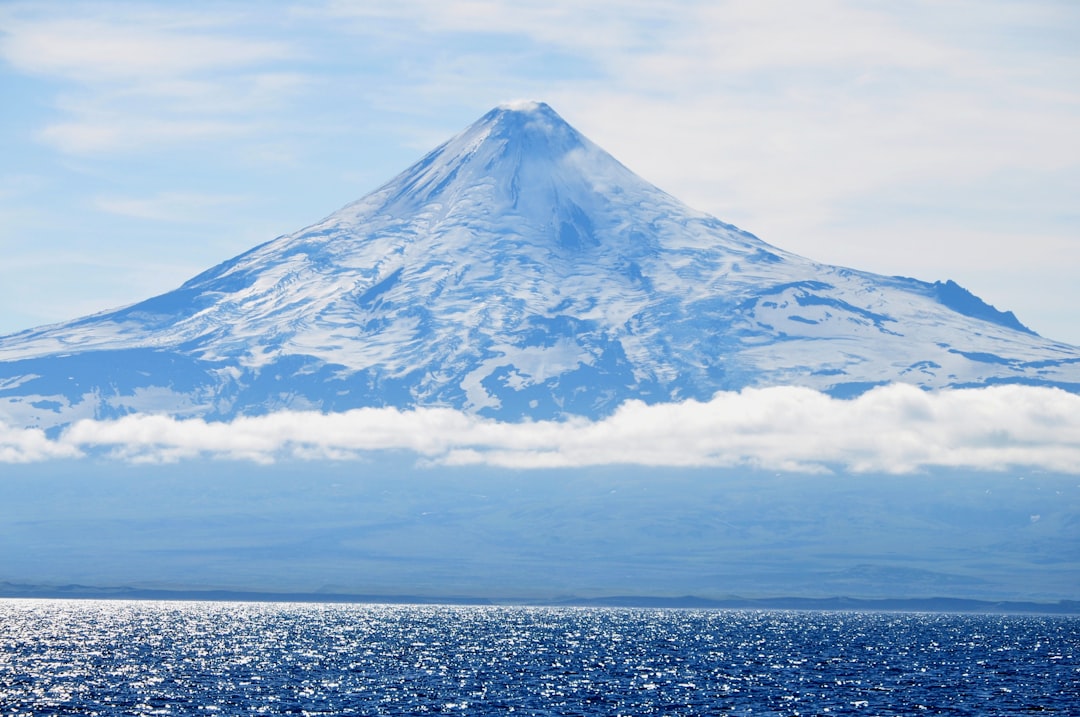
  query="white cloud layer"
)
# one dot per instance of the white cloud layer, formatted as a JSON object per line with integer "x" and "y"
{"x": 895, "y": 429}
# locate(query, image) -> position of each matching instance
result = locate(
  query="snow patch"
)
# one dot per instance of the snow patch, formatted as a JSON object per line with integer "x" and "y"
{"x": 521, "y": 105}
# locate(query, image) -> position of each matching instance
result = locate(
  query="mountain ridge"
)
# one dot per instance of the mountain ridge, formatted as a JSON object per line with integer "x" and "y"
{"x": 517, "y": 270}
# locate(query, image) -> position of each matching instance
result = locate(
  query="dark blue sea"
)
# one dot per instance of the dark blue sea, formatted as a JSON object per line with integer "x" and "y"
{"x": 187, "y": 658}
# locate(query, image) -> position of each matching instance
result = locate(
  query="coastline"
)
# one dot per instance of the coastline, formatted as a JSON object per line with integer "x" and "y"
{"x": 831, "y": 604}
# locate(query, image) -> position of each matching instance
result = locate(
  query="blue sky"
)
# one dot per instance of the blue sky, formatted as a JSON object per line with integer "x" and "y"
{"x": 143, "y": 142}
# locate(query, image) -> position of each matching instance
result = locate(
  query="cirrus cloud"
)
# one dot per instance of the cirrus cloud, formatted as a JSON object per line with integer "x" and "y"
{"x": 894, "y": 429}
{"x": 136, "y": 77}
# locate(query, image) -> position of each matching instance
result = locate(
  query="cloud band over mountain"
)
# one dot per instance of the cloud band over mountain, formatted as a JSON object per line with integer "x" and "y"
{"x": 896, "y": 429}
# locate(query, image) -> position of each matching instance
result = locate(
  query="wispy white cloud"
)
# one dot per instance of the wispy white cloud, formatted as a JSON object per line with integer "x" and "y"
{"x": 92, "y": 131}
{"x": 127, "y": 46}
{"x": 168, "y": 206}
{"x": 133, "y": 76}
{"x": 597, "y": 27}
{"x": 895, "y": 429}
{"x": 822, "y": 102}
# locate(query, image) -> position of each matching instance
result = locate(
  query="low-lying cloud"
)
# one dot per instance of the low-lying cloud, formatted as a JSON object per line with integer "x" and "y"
{"x": 896, "y": 429}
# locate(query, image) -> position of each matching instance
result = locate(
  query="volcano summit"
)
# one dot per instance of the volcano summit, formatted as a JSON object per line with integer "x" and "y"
{"x": 518, "y": 270}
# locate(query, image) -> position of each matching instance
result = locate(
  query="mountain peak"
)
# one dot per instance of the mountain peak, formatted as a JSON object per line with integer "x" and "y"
{"x": 527, "y": 124}
{"x": 521, "y": 155}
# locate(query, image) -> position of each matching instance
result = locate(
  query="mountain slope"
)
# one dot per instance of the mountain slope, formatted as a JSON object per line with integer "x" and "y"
{"x": 516, "y": 270}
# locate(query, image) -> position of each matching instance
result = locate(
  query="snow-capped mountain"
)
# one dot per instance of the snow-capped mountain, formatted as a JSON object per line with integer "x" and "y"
{"x": 516, "y": 270}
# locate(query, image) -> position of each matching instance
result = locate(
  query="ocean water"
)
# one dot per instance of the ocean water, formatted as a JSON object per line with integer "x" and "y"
{"x": 177, "y": 658}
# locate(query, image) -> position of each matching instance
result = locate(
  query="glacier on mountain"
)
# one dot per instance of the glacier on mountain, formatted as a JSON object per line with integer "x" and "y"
{"x": 516, "y": 271}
